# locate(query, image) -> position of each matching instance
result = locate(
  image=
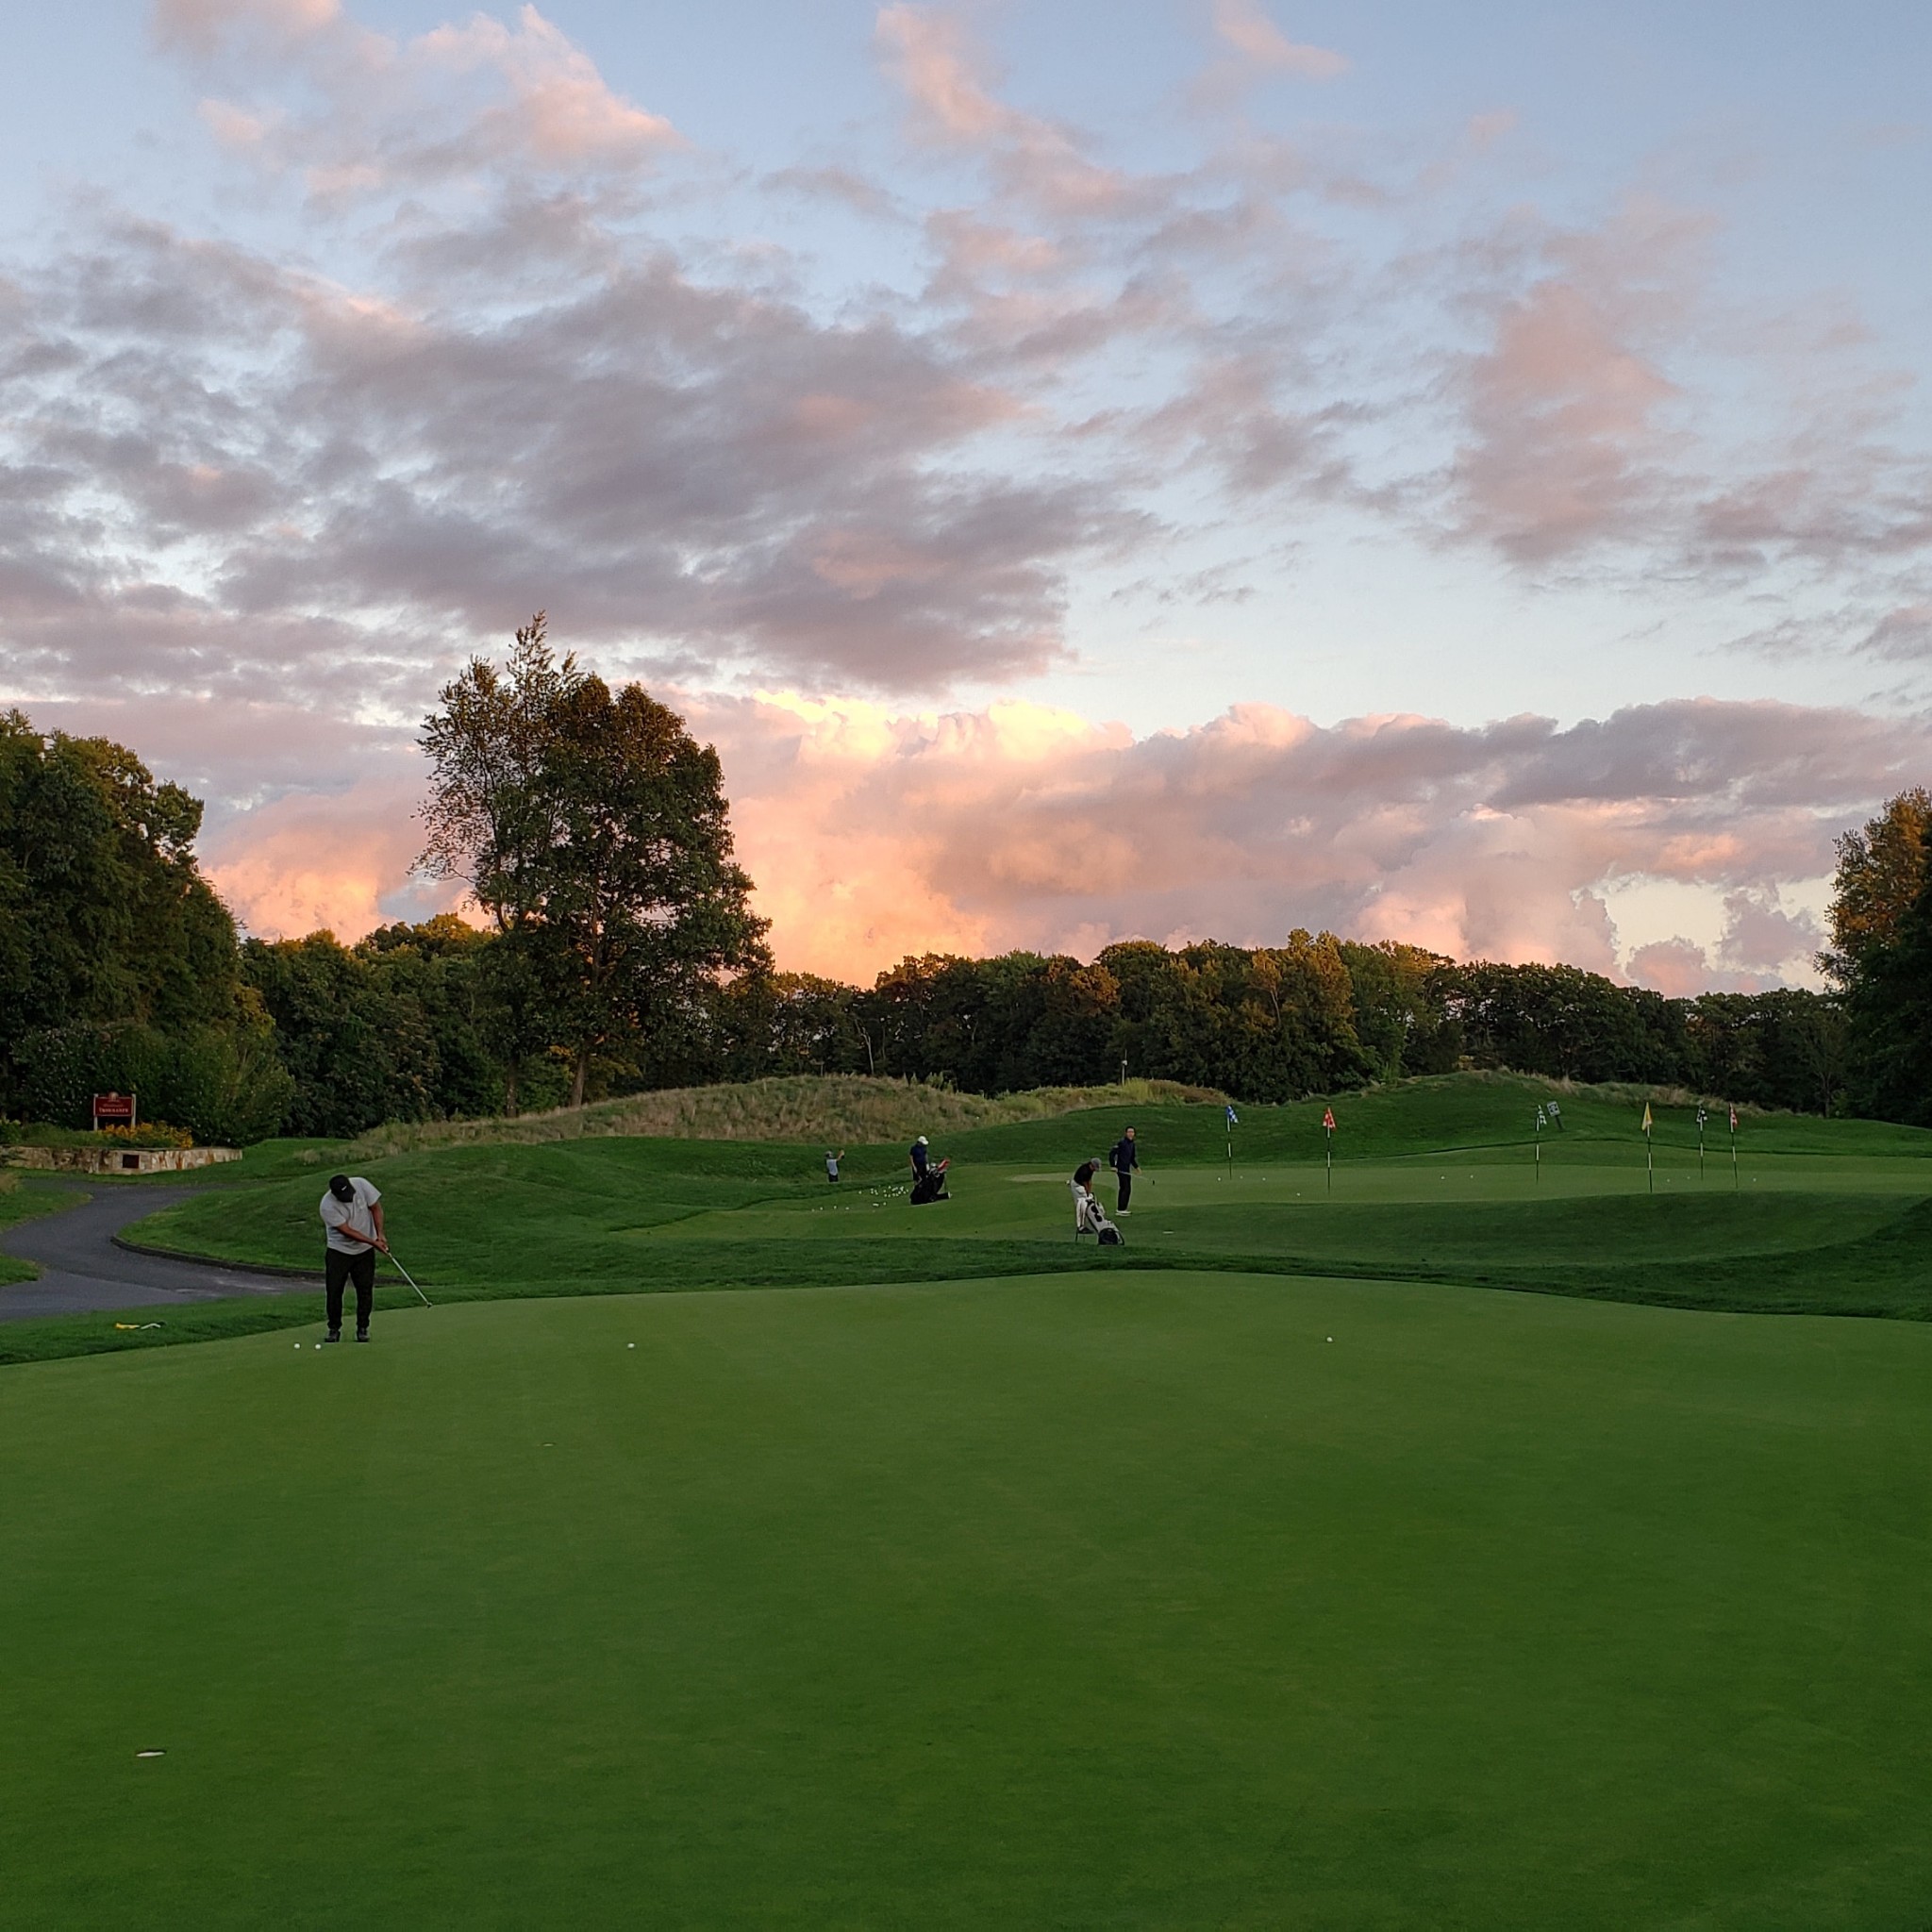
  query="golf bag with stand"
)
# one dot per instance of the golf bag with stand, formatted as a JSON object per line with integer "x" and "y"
{"x": 1091, "y": 1218}
{"x": 931, "y": 1184}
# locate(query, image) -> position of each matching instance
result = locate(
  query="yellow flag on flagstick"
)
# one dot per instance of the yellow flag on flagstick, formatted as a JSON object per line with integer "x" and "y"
{"x": 1646, "y": 1116}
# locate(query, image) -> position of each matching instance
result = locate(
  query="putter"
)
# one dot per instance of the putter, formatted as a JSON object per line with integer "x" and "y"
{"x": 411, "y": 1280}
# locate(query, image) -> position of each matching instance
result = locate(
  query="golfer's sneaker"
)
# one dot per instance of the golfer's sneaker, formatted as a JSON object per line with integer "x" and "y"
{"x": 333, "y": 1334}
{"x": 362, "y": 1335}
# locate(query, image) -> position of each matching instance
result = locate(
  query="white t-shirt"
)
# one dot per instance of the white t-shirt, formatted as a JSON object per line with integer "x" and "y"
{"x": 337, "y": 1215}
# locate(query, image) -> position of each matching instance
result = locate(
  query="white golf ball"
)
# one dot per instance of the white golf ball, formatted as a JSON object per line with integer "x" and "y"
{"x": 630, "y": 1344}
{"x": 1331, "y": 1338}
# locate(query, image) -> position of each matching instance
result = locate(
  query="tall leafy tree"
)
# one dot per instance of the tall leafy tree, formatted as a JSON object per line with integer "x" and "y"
{"x": 644, "y": 906}
{"x": 1881, "y": 958}
{"x": 594, "y": 831}
{"x": 1889, "y": 1005}
{"x": 491, "y": 821}
{"x": 1880, "y": 871}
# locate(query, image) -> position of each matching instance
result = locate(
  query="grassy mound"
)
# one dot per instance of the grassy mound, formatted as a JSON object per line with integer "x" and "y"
{"x": 843, "y": 1109}
{"x": 1065, "y": 1602}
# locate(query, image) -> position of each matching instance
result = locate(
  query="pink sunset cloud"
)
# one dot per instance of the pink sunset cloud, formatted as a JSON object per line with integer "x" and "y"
{"x": 873, "y": 834}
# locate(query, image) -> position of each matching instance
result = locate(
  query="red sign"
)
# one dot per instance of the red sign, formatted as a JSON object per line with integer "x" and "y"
{"x": 113, "y": 1111}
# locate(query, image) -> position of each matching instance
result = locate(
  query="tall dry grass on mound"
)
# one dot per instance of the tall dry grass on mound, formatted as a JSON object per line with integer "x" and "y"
{"x": 837, "y": 1109}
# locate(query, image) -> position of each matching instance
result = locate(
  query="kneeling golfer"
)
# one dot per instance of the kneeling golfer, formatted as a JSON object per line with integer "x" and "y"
{"x": 352, "y": 1213}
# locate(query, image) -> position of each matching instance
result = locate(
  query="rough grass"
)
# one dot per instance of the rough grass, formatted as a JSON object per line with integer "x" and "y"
{"x": 842, "y": 1109}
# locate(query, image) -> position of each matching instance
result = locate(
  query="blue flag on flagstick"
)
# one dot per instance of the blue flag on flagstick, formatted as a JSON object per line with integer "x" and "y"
{"x": 1234, "y": 1120}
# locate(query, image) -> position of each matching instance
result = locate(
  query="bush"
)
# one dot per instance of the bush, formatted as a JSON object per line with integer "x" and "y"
{"x": 222, "y": 1086}
{"x": 148, "y": 1134}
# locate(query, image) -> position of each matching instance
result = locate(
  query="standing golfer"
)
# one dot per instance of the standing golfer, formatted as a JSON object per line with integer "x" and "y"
{"x": 832, "y": 1161}
{"x": 352, "y": 1213}
{"x": 1125, "y": 1159}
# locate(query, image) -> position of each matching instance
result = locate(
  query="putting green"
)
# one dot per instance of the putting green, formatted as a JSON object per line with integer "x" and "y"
{"x": 1075, "y": 1600}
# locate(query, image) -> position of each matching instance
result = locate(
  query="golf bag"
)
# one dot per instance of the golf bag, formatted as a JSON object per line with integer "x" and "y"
{"x": 930, "y": 1186}
{"x": 1091, "y": 1218}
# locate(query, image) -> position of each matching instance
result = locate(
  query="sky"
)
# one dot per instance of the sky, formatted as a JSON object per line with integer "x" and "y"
{"x": 1164, "y": 468}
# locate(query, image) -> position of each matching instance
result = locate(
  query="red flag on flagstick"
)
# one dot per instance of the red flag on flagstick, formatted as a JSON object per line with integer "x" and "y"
{"x": 1328, "y": 1118}
{"x": 1734, "y": 1120}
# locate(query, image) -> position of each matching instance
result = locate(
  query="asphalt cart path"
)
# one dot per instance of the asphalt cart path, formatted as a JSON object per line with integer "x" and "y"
{"x": 82, "y": 1268}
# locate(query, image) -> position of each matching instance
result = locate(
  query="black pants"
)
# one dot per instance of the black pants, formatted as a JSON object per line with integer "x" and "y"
{"x": 1127, "y": 1181}
{"x": 341, "y": 1269}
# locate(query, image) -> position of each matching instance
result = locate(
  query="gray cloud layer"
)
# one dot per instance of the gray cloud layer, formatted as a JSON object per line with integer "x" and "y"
{"x": 222, "y": 470}
{"x": 258, "y": 506}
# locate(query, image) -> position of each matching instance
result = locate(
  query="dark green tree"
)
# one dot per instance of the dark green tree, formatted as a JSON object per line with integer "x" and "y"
{"x": 1889, "y": 1009}
{"x": 594, "y": 831}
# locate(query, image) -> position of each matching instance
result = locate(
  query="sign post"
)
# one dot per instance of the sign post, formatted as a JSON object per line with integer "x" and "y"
{"x": 113, "y": 1111}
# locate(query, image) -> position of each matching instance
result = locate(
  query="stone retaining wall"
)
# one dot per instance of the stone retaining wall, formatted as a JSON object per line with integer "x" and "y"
{"x": 116, "y": 1159}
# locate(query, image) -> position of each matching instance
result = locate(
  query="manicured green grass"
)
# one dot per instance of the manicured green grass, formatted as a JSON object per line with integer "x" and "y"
{"x": 1048, "y": 1602}
{"x": 1443, "y": 1184}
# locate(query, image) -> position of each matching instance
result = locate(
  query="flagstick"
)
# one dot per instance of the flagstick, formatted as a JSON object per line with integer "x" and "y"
{"x": 1649, "y": 1164}
{"x": 1538, "y": 1152}
{"x": 1700, "y": 1153}
{"x": 1331, "y": 1160}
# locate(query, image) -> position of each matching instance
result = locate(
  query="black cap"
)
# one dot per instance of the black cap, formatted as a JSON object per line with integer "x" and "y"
{"x": 342, "y": 1187}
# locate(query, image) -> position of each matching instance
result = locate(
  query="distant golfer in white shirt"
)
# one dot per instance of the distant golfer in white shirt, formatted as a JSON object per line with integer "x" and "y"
{"x": 352, "y": 1213}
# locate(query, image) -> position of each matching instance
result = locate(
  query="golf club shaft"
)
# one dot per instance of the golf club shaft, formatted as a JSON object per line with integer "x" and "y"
{"x": 411, "y": 1280}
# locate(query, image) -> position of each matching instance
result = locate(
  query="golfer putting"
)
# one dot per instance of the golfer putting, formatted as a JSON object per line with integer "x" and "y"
{"x": 352, "y": 1213}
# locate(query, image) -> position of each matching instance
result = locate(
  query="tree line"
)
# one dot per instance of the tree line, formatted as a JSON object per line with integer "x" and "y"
{"x": 619, "y": 951}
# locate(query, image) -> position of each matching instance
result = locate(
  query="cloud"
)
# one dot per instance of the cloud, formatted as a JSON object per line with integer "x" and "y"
{"x": 1033, "y": 160}
{"x": 1021, "y": 825}
{"x": 338, "y": 860}
{"x": 1568, "y": 446}
{"x": 210, "y": 461}
{"x": 1904, "y": 634}
{"x": 1761, "y": 937}
{"x": 354, "y": 113}
{"x": 874, "y": 832}
{"x": 1247, "y": 29}
{"x": 1678, "y": 968}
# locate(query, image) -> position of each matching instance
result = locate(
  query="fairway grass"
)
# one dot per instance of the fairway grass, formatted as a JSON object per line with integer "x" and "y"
{"x": 1819, "y": 1218}
{"x": 1062, "y": 1602}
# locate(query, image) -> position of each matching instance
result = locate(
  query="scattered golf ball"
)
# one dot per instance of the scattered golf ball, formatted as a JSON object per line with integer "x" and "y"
{"x": 630, "y": 1344}
{"x": 1331, "y": 1338}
